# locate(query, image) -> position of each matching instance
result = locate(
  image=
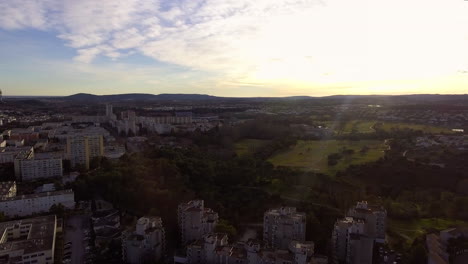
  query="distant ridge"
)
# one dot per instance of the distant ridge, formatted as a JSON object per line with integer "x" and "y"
{"x": 137, "y": 97}
{"x": 84, "y": 97}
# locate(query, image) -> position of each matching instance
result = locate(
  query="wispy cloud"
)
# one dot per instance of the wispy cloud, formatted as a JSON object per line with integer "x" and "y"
{"x": 262, "y": 41}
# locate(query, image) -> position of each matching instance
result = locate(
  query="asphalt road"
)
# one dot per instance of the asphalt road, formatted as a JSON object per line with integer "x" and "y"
{"x": 74, "y": 233}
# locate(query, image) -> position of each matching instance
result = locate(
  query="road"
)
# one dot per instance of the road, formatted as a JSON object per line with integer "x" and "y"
{"x": 74, "y": 233}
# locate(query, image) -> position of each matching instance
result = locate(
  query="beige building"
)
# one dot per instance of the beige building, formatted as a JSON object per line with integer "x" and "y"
{"x": 29, "y": 204}
{"x": 81, "y": 149}
{"x": 146, "y": 243}
{"x": 283, "y": 225}
{"x": 29, "y": 240}
{"x": 195, "y": 220}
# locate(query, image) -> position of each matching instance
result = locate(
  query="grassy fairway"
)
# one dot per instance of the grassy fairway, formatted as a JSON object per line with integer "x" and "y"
{"x": 406, "y": 231}
{"x": 425, "y": 128}
{"x": 313, "y": 155}
{"x": 364, "y": 126}
{"x": 359, "y": 126}
{"x": 248, "y": 146}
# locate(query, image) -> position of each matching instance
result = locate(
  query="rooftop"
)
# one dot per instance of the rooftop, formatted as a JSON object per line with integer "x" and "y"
{"x": 37, "y": 195}
{"x": 40, "y": 237}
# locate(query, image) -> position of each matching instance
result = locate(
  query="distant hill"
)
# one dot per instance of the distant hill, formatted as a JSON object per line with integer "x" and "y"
{"x": 137, "y": 97}
{"x": 363, "y": 99}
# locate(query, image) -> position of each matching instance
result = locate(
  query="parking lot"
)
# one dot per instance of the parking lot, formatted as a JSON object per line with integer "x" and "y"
{"x": 76, "y": 240}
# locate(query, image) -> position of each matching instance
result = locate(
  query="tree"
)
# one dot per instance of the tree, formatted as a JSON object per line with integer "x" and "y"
{"x": 417, "y": 255}
{"x": 224, "y": 226}
{"x": 57, "y": 209}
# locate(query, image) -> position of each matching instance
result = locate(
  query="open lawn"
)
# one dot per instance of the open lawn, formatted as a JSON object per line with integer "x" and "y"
{"x": 366, "y": 126}
{"x": 248, "y": 146}
{"x": 407, "y": 230}
{"x": 388, "y": 126}
{"x": 357, "y": 126}
{"x": 313, "y": 155}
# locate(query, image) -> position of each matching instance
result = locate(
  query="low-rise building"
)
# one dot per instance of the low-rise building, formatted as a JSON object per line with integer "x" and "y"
{"x": 29, "y": 204}
{"x": 29, "y": 240}
{"x": 146, "y": 243}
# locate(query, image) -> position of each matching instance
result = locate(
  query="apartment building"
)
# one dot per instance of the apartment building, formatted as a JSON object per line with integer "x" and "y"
{"x": 214, "y": 249}
{"x": 29, "y": 168}
{"x": 29, "y": 204}
{"x": 354, "y": 236}
{"x": 7, "y": 189}
{"x": 195, "y": 220}
{"x": 375, "y": 218}
{"x": 82, "y": 148}
{"x": 283, "y": 225}
{"x": 146, "y": 243}
{"x": 29, "y": 240}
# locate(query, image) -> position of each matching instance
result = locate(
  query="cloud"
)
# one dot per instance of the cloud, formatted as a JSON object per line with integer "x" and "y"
{"x": 262, "y": 41}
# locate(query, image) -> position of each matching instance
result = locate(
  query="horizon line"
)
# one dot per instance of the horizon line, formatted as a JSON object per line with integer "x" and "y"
{"x": 316, "y": 96}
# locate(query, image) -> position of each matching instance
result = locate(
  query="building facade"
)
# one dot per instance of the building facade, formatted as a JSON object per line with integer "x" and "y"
{"x": 354, "y": 236}
{"x": 82, "y": 148}
{"x": 195, "y": 220}
{"x": 25, "y": 205}
{"x": 146, "y": 243}
{"x": 32, "y": 168}
{"x": 283, "y": 225}
{"x": 215, "y": 249}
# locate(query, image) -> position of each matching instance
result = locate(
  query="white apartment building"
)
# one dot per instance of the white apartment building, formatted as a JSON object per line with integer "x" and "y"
{"x": 7, "y": 189}
{"x": 31, "y": 168}
{"x": 375, "y": 218}
{"x": 283, "y": 225}
{"x": 354, "y": 236}
{"x": 214, "y": 249}
{"x": 25, "y": 205}
{"x": 146, "y": 243}
{"x": 195, "y": 220}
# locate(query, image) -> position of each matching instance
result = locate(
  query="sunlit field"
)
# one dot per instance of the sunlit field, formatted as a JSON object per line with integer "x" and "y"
{"x": 248, "y": 146}
{"x": 407, "y": 231}
{"x": 366, "y": 126}
{"x": 313, "y": 155}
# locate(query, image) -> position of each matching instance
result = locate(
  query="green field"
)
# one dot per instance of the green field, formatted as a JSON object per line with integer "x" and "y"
{"x": 313, "y": 155}
{"x": 359, "y": 126}
{"x": 248, "y": 146}
{"x": 406, "y": 231}
{"x": 424, "y": 128}
{"x": 365, "y": 126}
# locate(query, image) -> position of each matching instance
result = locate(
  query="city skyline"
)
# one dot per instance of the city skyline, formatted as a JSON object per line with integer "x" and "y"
{"x": 234, "y": 48}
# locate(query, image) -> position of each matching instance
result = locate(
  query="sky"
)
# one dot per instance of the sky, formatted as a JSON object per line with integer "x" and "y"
{"x": 236, "y": 48}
